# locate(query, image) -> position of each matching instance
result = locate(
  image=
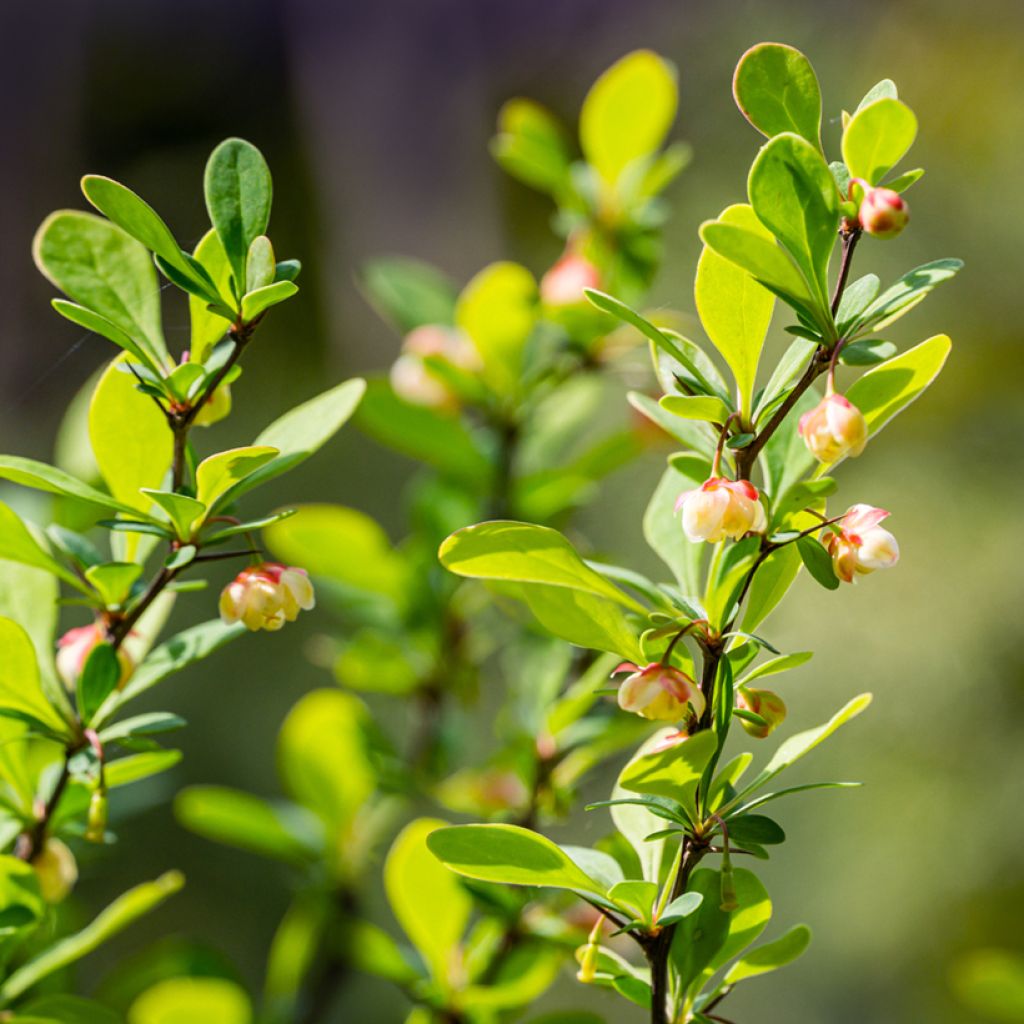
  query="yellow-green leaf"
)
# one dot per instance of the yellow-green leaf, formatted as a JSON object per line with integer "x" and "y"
{"x": 877, "y": 138}
{"x": 218, "y": 473}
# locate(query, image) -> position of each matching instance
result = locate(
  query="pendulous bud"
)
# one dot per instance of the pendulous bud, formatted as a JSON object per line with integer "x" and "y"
{"x": 587, "y": 955}
{"x": 414, "y": 381}
{"x": 96, "y": 821}
{"x": 563, "y": 284}
{"x": 74, "y": 648}
{"x": 883, "y": 213}
{"x": 266, "y": 596}
{"x": 722, "y": 508}
{"x": 659, "y": 692}
{"x": 767, "y": 704}
{"x": 858, "y": 545}
{"x": 834, "y": 429}
{"x": 56, "y": 870}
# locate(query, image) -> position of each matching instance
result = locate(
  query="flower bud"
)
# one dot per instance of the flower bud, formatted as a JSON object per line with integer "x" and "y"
{"x": 767, "y": 704}
{"x": 74, "y": 648}
{"x": 883, "y": 213}
{"x": 858, "y": 544}
{"x": 413, "y": 380}
{"x": 834, "y": 428}
{"x": 722, "y": 508}
{"x": 56, "y": 870}
{"x": 266, "y": 596}
{"x": 563, "y": 284}
{"x": 96, "y": 821}
{"x": 659, "y": 692}
{"x": 587, "y": 955}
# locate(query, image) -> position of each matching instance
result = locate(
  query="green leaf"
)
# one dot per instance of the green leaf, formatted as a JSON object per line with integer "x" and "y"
{"x": 680, "y": 907}
{"x": 20, "y": 687}
{"x": 41, "y": 477}
{"x": 239, "y": 819}
{"x": 113, "y": 581}
{"x": 409, "y": 293}
{"x": 734, "y": 309}
{"x": 301, "y": 432}
{"x": 755, "y": 828}
{"x": 208, "y": 326}
{"x": 877, "y": 138}
{"x": 991, "y": 982}
{"x": 341, "y": 544}
{"x": 775, "y": 665}
{"x": 627, "y": 113}
{"x": 106, "y": 271}
{"x": 904, "y": 181}
{"x": 532, "y": 146}
{"x": 18, "y": 545}
{"x": 238, "y": 197}
{"x": 794, "y": 195}
{"x": 511, "y": 855}
{"x": 323, "y": 756}
{"x": 697, "y": 407}
{"x": 187, "y": 999}
{"x": 137, "y": 767}
{"x": 430, "y": 904}
{"x": 771, "y": 956}
{"x": 130, "y": 439}
{"x": 525, "y": 553}
{"x": 259, "y": 301}
{"x": 663, "y": 529}
{"x": 216, "y": 475}
{"x": 498, "y": 310}
{"x": 856, "y": 298}
{"x": 149, "y": 724}
{"x": 867, "y": 353}
{"x": 182, "y": 510}
{"x": 116, "y": 917}
{"x": 777, "y": 91}
{"x": 886, "y": 88}
{"x": 797, "y": 746}
{"x": 260, "y": 264}
{"x": 100, "y": 325}
{"x": 691, "y": 433}
{"x": 673, "y": 771}
{"x": 98, "y": 680}
{"x": 141, "y": 221}
{"x": 29, "y": 595}
{"x": 818, "y": 562}
{"x": 64, "y": 1009}
{"x": 905, "y": 294}
{"x": 636, "y": 898}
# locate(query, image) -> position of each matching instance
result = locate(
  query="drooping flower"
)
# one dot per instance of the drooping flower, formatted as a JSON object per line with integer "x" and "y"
{"x": 858, "y": 545}
{"x": 74, "y": 648}
{"x": 56, "y": 870}
{"x": 413, "y": 380}
{"x": 766, "y": 703}
{"x": 563, "y": 284}
{"x": 883, "y": 213}
{"x": 266, "y": 596}
{"x": 660, "y": 692}
{"x": 834, "y": 429}
{"x": 722, "y": 508}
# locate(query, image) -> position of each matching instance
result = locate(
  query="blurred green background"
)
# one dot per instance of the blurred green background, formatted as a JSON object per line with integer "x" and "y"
{"x": 375, "y": 119}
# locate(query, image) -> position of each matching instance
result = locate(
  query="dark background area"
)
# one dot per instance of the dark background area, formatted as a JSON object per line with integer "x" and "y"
{"x": 375, "y": 119}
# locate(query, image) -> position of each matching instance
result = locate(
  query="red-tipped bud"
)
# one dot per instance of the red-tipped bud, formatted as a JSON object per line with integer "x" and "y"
{"x": 861, "y": 546}
{"x": 74, "y": 648}
{"x": 563, "y": 284}
{"x": 834, "y": 429}
{"x": 883, "y": 213}
{"x": 765, "y": 703}
{"x": 722, "y": 508}
{"x": 659, "y": 692}
{"x": 266, "y": 596}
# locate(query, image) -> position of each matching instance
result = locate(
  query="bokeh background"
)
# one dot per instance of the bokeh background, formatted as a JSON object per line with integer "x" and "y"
{"x": 375, "y": 119}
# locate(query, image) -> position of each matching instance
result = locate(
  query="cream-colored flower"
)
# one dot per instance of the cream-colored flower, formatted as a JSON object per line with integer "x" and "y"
{"x": 722, "y": 508}
{"x": 834, "y": 428}
{"x": 266, "y": 596}
{"x": 861, "y": 546}
{"x": 660, "y": 692}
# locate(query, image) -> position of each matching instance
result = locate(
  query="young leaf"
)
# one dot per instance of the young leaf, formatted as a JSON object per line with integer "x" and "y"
{"x": 182, "y": 510}
{"x": 238, "y": 196}
{"x": 906, "y": 293}
{"x": 777, "y": 91}
{"x": 192, "y": 999}
{"x": 216, "y": 475}
{"x": 20, "y": 688}
{"x": 734, "y": 309}
{"x": 775, "y": 665}
{"x": 260, "y": 264}
{"x": 429, "y": 902}
{"x": 794, "y": 195}
{"x": 409, "y": 293}
{"x": 818, "y": 562}
{"x": 18, "y": 545}
{"x": 509, "y": 854}
{"x": 116, "y": 917}
{"x": 673, "y": 771}
{"x": 627, "y": 113}
{"x": 258, "y": 302}
{"x": 532, "y": 146}
{"x": 771, "y": 956}
{"x": 697, "y": 407}
{"x": 208, "y": 326}
{"x": 877, "y": 138}
{"x": 108, "y": 272}
{"x": 137, "y": 767}
{"x": 113, "y": 581}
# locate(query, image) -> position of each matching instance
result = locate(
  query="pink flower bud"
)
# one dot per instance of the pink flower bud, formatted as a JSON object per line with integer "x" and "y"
{"x": 56, "y": 870}
{"x": 722, "y": 508}
{"x": 266, "y": 596}
{"x": 563, "y": 284}
{"x": 861, "y": 545}
{"x": 834, "y": 428}
{"x": 413, "y": 380}
{"x": 883, "y": 213}
{"x": 659, "y": 692}
{"x": 767, "y": 704}
{"x": 74, "y": 648}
